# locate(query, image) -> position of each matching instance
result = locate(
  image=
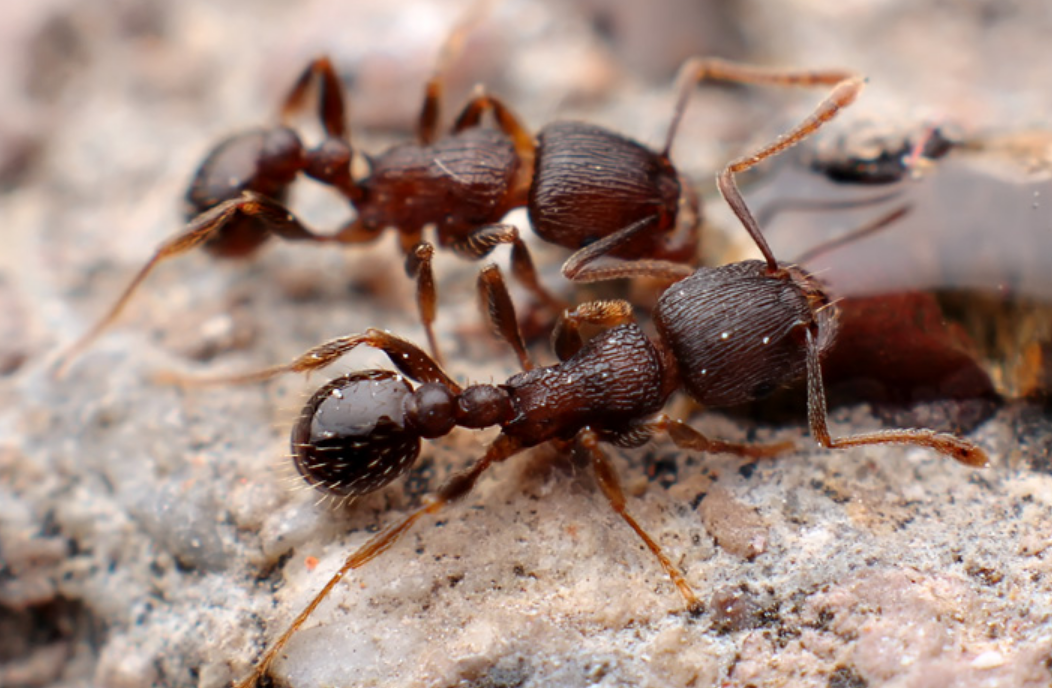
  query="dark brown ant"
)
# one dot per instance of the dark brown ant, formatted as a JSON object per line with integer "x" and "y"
{"x": 586, "y": 188}
{"x": 726, "y": 335}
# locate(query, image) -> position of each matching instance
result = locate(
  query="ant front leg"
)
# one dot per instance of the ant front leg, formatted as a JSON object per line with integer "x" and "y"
{"x": 406, "y": 356}
{"x": 956, "y": 448}
{"x": 493, "y": 292}
{"x": 251, "y": 207}
{"x": 418, "y": 267}
{"x": 606, "y": 476}
{"x": 481, "y": 242}
{"x": 566, "y": 337}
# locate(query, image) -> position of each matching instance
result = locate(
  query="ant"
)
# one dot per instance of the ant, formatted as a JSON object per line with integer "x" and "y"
{"x": 725, "y": 335}
{"x": 586, "y": 188}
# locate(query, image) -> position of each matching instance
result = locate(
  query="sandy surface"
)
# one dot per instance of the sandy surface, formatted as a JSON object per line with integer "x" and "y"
{"x": 151, "y": 536}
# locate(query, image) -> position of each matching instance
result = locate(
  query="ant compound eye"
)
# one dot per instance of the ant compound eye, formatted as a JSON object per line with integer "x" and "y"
{"x": 351, "y": 438}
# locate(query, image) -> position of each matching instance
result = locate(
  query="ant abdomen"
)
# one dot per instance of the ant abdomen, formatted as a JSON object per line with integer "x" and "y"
{"x": 726, "y": 359}
{"x": 352, "y": 437}
{"x": 589, "y": 180}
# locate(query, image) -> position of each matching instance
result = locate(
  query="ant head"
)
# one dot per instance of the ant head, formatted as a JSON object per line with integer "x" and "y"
{"x": 352, "y": 437}
{"x": 736, "y": 331}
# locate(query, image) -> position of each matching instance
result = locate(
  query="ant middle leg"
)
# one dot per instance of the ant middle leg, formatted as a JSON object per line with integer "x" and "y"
{"x": 251, "y": 208}
{"x": 588, "y": 440}
{"x": 524, "y": 142}
{"x": 686, "y": 437}
{"x": 950, "y": 445}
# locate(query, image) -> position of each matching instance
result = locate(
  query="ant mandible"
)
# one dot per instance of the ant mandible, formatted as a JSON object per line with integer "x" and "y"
{"x": 586, "y": 188}
{"x": 726, "y": 335}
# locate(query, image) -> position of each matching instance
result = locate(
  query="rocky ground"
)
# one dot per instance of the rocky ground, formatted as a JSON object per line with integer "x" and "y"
{"x": 150, "y": 536}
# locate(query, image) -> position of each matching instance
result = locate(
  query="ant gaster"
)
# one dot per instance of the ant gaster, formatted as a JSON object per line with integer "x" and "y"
{"x": 586, "y": 188}
{"x": 725, "y": 335}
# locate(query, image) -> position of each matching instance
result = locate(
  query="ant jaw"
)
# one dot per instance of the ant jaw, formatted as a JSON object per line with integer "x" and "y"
{"x": 352, "y": 438}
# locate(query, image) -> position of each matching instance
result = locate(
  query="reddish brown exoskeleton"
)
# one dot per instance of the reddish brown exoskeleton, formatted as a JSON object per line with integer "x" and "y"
{"x": 586, "y": 188}
{"x": 725, "y": 335}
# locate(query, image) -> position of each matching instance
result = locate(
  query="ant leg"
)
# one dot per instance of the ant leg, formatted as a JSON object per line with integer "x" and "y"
{"x": 578, "y": 267}
{"x": 459, "y": 486}
{"x": 521, "y": 139}
{"x": 842, "y": 95}
{"x": 566, "y": 337}
{"x": 507, "y": 121}
{"x": 483, "y": 240}
{"x": 418, "y": 267}
{"x": 355, "y": 232}
{"x": 406, "y": 356}
{"x": 606, "y": 476}
{"x": 272, "y": 215}
{"x": 493, "y": 293}
{"x": 427, "y": 126}
{"x": 686, "y": 437}
{"x": 944, "y": 443}
{"x": 698, "y": 69}
{"x": 331, "y": 107}
{"x": 330, "y": 162}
